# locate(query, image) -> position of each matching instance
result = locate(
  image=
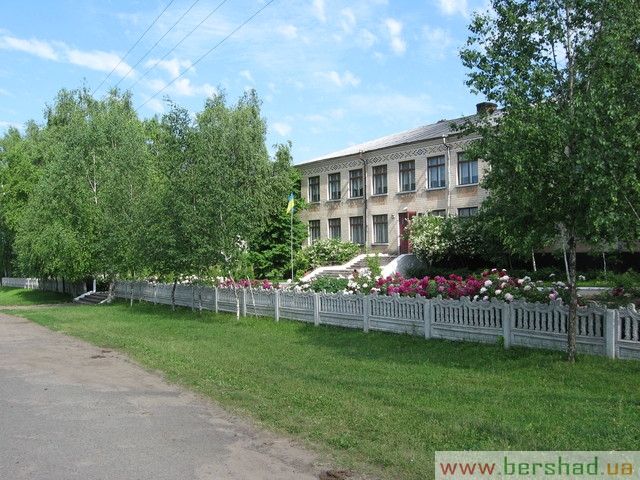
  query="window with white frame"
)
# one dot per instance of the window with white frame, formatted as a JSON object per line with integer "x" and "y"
{"x": 380, "y": 229}
{"x": 356, "y": 183}
{"x": 435, "y": 172}
{"x": 380, "y": 180}
{"x": 407, "y": 176}
{"x": 356, "y": 230}
{"x": 314, "y": 230}
{"x": 467, "y": 170}
{"x": 334, "y": 186}
{"x": 314, "y": 189}
{"x": 335, "y": 230}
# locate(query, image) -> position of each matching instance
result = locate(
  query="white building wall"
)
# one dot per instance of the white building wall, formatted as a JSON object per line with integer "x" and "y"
{"x": 421, "y": 201}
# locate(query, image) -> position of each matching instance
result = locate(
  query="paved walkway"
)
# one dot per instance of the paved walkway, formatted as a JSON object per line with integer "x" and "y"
{"x": 70, "y": 410}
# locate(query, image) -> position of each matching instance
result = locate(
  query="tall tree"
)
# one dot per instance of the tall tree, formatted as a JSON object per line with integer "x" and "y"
{"x": 81, "y": 219}
{"x": 564, "y": 151}
{"x": 22, "y": 158}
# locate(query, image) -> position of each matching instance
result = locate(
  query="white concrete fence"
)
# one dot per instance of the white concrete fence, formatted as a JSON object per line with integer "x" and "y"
{"x": 601, "y": 331}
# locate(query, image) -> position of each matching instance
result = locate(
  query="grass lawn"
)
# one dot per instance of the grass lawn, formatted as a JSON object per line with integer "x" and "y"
{"x": 21, "y": 297}
{"x": 381, "y": 404}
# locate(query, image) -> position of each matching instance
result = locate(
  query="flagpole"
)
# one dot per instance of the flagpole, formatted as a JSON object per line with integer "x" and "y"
{"x": 291, "y": 245}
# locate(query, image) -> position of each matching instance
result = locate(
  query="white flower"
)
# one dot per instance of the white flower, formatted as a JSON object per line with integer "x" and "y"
{"x": 582, "y": 278}
{"x": 488, "y": 283}
{"x": 504, "y": 279}
{"x": 485, "y": 298}
{"x": 527, "y": 288}
{"x": 498, "y": 292}
{"x": 508, "y": 297}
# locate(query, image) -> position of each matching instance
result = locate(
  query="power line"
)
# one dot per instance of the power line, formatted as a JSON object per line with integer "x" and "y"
{"x": 178, "y": 44}
{"x": 159, "y": 40}
{"x": 134, "y": 46}
{"x": 207, "y": 53}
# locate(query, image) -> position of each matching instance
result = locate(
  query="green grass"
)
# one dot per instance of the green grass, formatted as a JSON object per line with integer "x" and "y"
{"x": 381, "y": 404}
{"x": 21, "y": 297}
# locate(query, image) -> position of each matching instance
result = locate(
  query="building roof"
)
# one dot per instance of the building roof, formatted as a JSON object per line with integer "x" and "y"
{"x": 425, "y": 132}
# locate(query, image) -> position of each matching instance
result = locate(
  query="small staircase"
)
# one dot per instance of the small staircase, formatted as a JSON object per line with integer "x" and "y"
{"x": 346, "y": 270}
{"x": 91, "y": 298}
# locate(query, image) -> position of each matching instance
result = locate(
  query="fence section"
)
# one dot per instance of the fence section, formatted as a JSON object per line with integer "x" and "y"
{"x": 600, "y": 331}
{"x": 52, "y": 285}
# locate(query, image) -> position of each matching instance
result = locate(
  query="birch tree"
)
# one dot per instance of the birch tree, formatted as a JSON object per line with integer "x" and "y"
{"x": 563, "y": 152}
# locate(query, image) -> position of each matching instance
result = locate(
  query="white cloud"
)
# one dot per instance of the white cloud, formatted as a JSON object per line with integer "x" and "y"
{"x": 437, "y": 41}
{"x": 348, "y": 20}
{"x": 102, "y": 61}
{"x": 366, "y": 39}
{"x": 394, "y": 105}
{"x": 34, "y": 47}
{"x": 345, "y": 80}
{"x": 283, "y": 129}
{"x": 318, "y": 10}
{"x": 247, "y": 74}
{"x": 398, "y": 45}
{"x": 451, "y": 7}
{"x": 174, "y": 66}
{"x": 184, "y": 87}
{"x": 289, "y": 31}
{"x": 60, "y": 52}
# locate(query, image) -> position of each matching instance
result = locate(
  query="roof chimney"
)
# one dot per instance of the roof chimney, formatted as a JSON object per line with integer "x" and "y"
{"x": 486, "y": 107}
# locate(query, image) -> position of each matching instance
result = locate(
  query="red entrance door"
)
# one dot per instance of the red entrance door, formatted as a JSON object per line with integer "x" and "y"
{"x": 403, "y": 219}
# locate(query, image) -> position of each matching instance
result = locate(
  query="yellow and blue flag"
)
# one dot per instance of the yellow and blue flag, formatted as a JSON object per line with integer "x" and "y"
{"x": 290, "y": 206}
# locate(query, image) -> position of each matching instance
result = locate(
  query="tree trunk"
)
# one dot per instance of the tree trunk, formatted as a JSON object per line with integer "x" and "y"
{"x": 572, "y": 324}
{"x": 112, "y": 288}
{"x": 173, "y": 294}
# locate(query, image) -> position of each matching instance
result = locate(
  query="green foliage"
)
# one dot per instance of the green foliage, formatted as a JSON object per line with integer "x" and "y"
{"x": 563, "y": 152}
{"x": 270, "y": 253}
{"x": 328, "y": 284}
{"x": 326, "y": 252}
{"x": 97, "y": 192}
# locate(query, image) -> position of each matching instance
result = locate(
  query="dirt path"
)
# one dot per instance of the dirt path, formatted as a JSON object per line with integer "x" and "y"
{"x": 71, "y": 410}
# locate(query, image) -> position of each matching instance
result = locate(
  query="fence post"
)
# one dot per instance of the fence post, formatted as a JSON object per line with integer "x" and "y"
{"x": 215, "y": 298}
{"x": 507, "y": 313}
{"x": 366, "y": 308}
{"x": 427, "y": 312}
{"x": 316, "y": 309}
{"x": 243, "y": 304}
{"x": 611, "y": 320}
{"x": 277, "y": 305}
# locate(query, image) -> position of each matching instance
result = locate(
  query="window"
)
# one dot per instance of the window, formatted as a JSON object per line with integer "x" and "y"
{"x": 408, "y": 176}
{"x": 435, "y": 172}
{"x": 380, "y": 229}
{"x": 314, "y": 230}
{"x": 314, "y": 189}
{"x": 334, "y": 228}
{"x": 467, "y": 212}
{"x": 467, "y": 170}
{"x": 334, "y": 186}
{"x": 438, "y": 213}
{"x": 380, "y": 180}
{"x": 356, "y": 230}
{"x": 356, "y": 183}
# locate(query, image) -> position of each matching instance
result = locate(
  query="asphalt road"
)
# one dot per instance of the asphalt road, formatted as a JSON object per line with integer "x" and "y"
{"x": 70, "y": 410}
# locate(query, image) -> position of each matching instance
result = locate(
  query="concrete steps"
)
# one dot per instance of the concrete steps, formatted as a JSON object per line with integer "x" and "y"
{"x": 94, "y": 298}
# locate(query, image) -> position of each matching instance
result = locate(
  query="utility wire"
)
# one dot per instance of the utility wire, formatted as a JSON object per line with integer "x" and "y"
{"x": 178, "y": 44}
{"x": 155, "y": 44}
{"x": 207, "y": 53}
{"x": 134, "y": 46}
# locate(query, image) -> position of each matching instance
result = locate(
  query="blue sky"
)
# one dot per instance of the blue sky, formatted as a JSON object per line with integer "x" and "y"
{"x": 330, "y": 73}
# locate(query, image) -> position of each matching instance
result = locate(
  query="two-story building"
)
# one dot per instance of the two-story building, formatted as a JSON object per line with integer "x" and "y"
{"x": 368, "y": 192}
